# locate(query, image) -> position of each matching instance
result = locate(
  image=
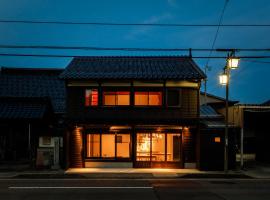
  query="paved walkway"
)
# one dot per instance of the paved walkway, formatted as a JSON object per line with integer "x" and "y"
{"x": 260, "y": 172}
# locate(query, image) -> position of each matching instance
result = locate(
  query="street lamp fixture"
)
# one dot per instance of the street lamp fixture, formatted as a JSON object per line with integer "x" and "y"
{"x": 224, "y": 79}
{"x": 233, "y": 62}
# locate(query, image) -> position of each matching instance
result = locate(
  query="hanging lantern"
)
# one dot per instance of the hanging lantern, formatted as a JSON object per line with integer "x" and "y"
{"x": 223, "y": 79}
{"x": 233, "y": 62}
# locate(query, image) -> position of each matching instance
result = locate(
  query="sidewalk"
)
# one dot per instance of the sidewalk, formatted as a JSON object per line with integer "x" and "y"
{"x": 258, "y": 170}
{"x": 124, "y": 173}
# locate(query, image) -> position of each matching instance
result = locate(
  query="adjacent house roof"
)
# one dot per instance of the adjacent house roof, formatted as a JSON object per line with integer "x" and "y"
{"x": 136, "y": 67}
{"x": 31, "y": 82}
{"x": 206, "y": 111}
{"x": 266, "y": 103}
{"x": 22, "y": 108}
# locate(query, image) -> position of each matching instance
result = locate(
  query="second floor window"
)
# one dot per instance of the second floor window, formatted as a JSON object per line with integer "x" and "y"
{"x": 91, "y": 97}
{"x": 147, "y": 98}
{"x": 116, "y": 98}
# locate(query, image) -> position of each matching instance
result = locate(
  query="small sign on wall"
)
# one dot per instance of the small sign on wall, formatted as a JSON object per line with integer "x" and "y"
{"x": 217, "y": 139}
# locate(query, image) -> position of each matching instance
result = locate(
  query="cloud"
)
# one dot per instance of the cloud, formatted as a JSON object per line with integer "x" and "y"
{"x": 143, "y": 30}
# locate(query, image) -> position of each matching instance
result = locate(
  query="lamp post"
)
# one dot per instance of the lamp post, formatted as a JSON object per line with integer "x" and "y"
{"x": 224, "y": 79}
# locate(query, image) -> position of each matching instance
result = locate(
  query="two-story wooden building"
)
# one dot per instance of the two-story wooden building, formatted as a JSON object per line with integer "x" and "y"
{"x": 132, "y": 111}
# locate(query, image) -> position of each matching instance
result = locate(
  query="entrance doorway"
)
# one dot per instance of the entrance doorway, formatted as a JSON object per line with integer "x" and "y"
{"x": 158, "y": 150}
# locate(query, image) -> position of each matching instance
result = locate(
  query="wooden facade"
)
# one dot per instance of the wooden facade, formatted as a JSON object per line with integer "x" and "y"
{"x": 132, "y": 120}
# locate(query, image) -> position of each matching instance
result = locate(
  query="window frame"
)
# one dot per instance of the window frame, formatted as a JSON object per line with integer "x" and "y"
{"x": 116, "y": 89}
{"x": 100, "y": 158}
{"x": 151, "y": 89}
{"x": 98, "y": 92}
{"x": 180, "y": 97}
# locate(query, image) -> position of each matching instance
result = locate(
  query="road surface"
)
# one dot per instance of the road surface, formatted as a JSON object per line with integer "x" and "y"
{"x": 124, "y": 189}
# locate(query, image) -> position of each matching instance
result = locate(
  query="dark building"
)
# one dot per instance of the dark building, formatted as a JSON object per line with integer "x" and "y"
{"x": 32, "y": 105}
{"x": 132, "y": 112}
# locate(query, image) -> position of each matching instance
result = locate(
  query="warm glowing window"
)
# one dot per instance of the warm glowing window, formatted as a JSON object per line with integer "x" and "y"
{"x": 158, "y": 147}
{"x": 108, "y": 146}
{"x": 91, "y": 97}
{"x": 173, "y": 147}
{"x": 93, "y": 145}
{"x": 148, "y": 98}
{"x": 123, "y": 145}
{"x": 143, "y": 146}
{"x": 118, "y": 98}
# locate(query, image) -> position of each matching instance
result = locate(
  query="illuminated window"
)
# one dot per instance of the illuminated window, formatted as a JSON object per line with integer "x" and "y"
{"x": 93, "y": 145}
{"x": 108, "y": 146}
{"x": 119, "y": 98}
{"x": 158, "y": 147}
{"x": 123, "y": 145}
{"x": 148, "y": 98}
{"x": 91, "y": 97}
{"x": 173, "y": 146}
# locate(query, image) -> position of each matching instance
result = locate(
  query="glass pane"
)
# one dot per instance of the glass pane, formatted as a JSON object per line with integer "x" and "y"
{"x": 173, "y": 146}
{"x": 155, "y": 98}
{"x": 91, "y": 97}
{"x": 123, "y": 98}
{"x": 158, "y": 147}
{"x": 108, "y": 145}
{"x": 123, "y": 145}
{"x": 173, "y": 97}
{"x": 109, "y": 98}
{"x": 93, "y": 145}
{"x": 141, "y": 98}
{"x": 143, "y": 147}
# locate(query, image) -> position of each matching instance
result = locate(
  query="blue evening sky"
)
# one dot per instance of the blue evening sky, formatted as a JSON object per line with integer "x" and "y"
{"x": 249, "y": 84}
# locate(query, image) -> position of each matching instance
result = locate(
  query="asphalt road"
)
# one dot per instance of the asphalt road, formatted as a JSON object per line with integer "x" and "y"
{"x": 99, "y": 189}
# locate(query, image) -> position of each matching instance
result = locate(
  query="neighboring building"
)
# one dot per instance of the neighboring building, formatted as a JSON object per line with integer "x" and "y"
{"x": 32, "y": 105}
{"x": 212, "y": 133}
{"x": 133, "y": 112}
{"x": 253, "y": 120}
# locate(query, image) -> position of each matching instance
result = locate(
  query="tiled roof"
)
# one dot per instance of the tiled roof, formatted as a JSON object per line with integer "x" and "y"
{"x": 206, "y": 111}
{"x": 136, "y": 67}
{"x": 216, "y": 124}
{"x": 34, "y": 83}
{"x": 16, "y": 108}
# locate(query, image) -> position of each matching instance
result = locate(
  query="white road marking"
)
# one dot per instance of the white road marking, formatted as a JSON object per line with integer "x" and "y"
{"x": 75, "y": 187}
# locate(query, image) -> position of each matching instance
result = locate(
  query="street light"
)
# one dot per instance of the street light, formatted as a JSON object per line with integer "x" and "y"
{"x": 224, "y": 79}
{"x": 233, "y": 62}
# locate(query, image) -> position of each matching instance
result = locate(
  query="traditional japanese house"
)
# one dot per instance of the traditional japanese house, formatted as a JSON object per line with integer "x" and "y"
{"x": 32, "y": 106}
{"x": 132, "y": 111}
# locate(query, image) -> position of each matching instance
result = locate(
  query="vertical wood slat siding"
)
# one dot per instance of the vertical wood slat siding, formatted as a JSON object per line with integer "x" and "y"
{"x": 189, "y": 145}
{"x": 76, "y": 143}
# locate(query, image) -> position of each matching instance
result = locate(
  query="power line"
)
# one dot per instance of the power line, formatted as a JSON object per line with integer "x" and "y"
{"x": 213, "y": 44}
{"x": 71, "y": 56}
{"x": 216, "y": 34}
{"x": 128, "y": 24}
{"x": 4, "y": 46}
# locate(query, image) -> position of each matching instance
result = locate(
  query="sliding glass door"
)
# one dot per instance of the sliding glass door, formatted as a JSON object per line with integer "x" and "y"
{"x": 158, "y": 150}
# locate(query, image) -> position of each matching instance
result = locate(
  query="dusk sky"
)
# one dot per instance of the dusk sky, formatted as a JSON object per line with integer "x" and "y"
{"x": 249, "y": 83}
